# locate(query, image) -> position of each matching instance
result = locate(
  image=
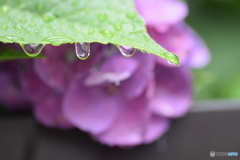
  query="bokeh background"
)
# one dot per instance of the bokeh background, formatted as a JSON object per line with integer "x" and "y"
{"x": 218, "y": 22}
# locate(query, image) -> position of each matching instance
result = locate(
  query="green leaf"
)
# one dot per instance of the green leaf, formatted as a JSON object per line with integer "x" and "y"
{"x": 69, "y": 21}
{"x": 10, "y": 54}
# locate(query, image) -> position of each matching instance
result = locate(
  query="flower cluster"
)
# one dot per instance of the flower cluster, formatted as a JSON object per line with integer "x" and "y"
{"x": 119, "y": 101}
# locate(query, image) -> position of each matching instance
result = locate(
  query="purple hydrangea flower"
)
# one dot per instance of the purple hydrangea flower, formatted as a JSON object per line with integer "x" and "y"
{"x": 119, "y": 101}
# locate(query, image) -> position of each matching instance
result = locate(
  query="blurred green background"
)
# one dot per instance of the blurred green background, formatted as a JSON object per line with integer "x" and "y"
{"x": 218, "y": 23}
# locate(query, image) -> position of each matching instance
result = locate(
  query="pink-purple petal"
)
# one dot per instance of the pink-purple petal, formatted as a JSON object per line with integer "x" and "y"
{"x": 136, "y": 84}
{"x": 176, "y": 40}
{"x": 33, "y": 87}
{"x": 91, "y": 109}
{"x": 49, "y": 112}
{"x": 185, "y": 43}
{"x": 173, "y": 96}
{"x": 128, "y": 128}
{"x": 162, "y": 14}
{"x": 115, "y": 69}
{"x": 10, "y": 93}
{"x": 156, "y": 126}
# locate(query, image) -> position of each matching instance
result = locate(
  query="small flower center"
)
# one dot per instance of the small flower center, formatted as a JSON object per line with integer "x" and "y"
{"x": 111, "y": 89}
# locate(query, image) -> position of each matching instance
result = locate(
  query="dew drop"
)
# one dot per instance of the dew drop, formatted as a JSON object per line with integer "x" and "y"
{"x": 23, "y": 20}
{"x": 74, "y": 3}
{"x": 131, "y": 15}
{"x": 32, "y": 24}
{"x": 48, "y": 17}
{"x": 18, "y": 27}
{"x": 40, "y": 7}
{"x": 58, "y": 39}
{"x": 117, "y": 26}
{"x": 15, "y": 39}
{"x": 169, "y": 62}
{"x": 107, "y": 33}
{"x": 5, "y": 9}
{"x": 171, "y": 57}
{"x": 90, "y": 31}
{"x": 102, "y": 17}
{"x": 127, "y": 51}
{"x": 143, "y": 51}
{"x": 82, "y": 50}
{"x": 31, "y": 49}
{"x": 4, "y": 27}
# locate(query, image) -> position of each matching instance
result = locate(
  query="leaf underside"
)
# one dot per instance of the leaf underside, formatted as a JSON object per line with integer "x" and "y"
{"x": 58, "y": 22}
{"x": 10, "y": 54}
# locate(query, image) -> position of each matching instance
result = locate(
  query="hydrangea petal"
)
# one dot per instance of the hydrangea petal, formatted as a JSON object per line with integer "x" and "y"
{"x": 10, "y": 93}
{"x": 49, "y": 112}
{"x": 162, "y": 14}
{"x": 155, "y": 128}
{"x": 114, "y": 69}
{"x": 173, "y": 95}
{"x": 136, "y": 84}
{"x": 185, "y": 43}
{"x": 176, "y": 40}
{"x": 33, "y": 87}
{"x": 199, "y": 56}
{"x": 91, "y": 109}
{"x": 128, "y": 128}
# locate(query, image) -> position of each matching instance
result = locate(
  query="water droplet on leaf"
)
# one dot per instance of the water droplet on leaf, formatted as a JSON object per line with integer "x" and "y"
{"x": 23, "y": 20}
{"x": 31, "y": 49}
{"x": 82, "y": 50}
{"x": 127, "y": 51}
{"x": 106, "y": 33}
{"x": 40, "y": 7}
{"x": 169, "y": 62}
{"x": 57, "y": 39}
{"x": 90, "y": 31}
{"x": 117, "y": 26}
{"x": 171, "y": 57}
{"x": 18, "y": 27}
{"x": 143, "y": 51}
{"x": 4, "y": 27}
{"x": 5, "y": 9}
{"x": 48, "y": 17}
{"x": 131, "y": 15}
{"x": 102, "y": 17}
{"x": 15, "y": 39}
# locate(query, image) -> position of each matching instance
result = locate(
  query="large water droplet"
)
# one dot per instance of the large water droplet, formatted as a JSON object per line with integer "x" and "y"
{"x": 82, "y": 50}
{"x": 127, "y": 51}
{"x": 31, "y": 49}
